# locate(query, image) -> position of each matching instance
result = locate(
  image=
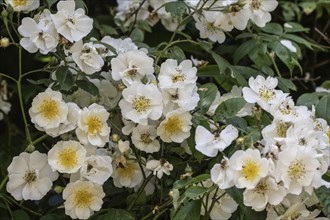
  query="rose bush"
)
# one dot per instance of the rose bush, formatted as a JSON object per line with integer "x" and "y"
{"x": 163, "y": 109}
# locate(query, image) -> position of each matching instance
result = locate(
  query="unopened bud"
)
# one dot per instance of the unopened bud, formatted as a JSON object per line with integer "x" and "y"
{"x": 4, "y": 42}
{"x": 58, "y": 189}
{"x": 240, "y": 141}
{"x": 30, "y": 148}
{"x": 115, "y": 138}
{"x": 121, "y": 87}
{"x": 4, "y": 13}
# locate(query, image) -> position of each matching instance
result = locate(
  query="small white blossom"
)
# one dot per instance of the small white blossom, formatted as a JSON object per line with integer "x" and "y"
{"x": 48, "y": 110}
{"x": 222, "y": 175}
{"x": 132, "y": 66}
{"x": 23, "y": 5}
{"x": 70, "y": 23}
{"x": 141, "y": 102}
{"x": 86, "y": 57}
{"x": 30, "y": 176}
{"x": 144, "y": 138}
{"x": 210, "y": 144}
{"x": 82, "y": 199}
{"x": 159, "y": 167}
{"x": 288, "y": 44}
{"x": 249, "y": 168}
{"x": 92, "y": 125}
{"x": 175, "y": 127}
{"x": 260, "y": 10}
{"x": 97, "y": 168}
{"x": 67, "y": 156}
{"x": 127, "y": 173}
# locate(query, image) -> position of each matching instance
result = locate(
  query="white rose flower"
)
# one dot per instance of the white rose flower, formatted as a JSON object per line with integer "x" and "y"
{"x": 222, "y": 175}
{"x": 82, "y": 198}
{"x": 30, "y": 176}
{"x": 175, "y": 127}
{"x": 260, "y": 10}
{"x": 120, "y": 45}
{"x": 298, "y": 169}
{"x": 262, "y": 91}
{"x": 141, "y": 102}
{"x": 126, "y": 8}
{"x": 159, "y": 167}
{"x": 38, "y": 35}
{"x": 86, "y": 57}
{"x": 70, "y": 23}
{"x": 69, "y": 125}
{"x": 92, "y": 126}
{"x": 210, "y": 144}
{"x": 48, "y": 110}
{"x": 23, "y": 5}
{"x": 212, "y": 25}
{"x": 172, "y": 75}
{"x": 132, "y": 66}
{"x": 239, "y": 16}
{"x": 97, "y": 168}
{"x": 127, "y": 173}
{"x": 266, "y": 191}
{"x": 249, "y": 168}
{"x": 144, "y": 138}
{"x": 67, "y": 156}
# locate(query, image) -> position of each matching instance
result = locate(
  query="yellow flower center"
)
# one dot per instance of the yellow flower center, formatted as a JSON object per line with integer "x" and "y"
{"x": 261, "y": 188}
{"x": 173, "y": 125}
{"x": 94, "y": 125}
{"x": 145, "y": 138}
{"x": 178, "y": 76}
{"x": 296, "y": 169}
{"x": 141, "y": 104}
{"x": 30, "y": 176}
{"x": 126, "y": 170}
{"x": 19, "y": 2}
{"x": 266, "y": 93}
{"x": 328, "y": 133}
{"x": 83, "y": 198}
{"x": 68, "y": 158}
{"x": 282, "y": 128}
{"x": 255, "y": 4}
{"x": 49, "y": 109}
{"x": 250, "y": 170}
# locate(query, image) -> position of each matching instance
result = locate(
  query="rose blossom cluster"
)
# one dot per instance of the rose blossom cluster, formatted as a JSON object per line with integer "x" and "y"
{"x": 155, "y": 105}
{"x": 213, "y": 18}
{"x": 282, "y": 170}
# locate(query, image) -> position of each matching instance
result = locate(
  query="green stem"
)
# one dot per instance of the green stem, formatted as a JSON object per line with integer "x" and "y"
{"x": 275, "y": 65}
{"x": 35, "y": 71}
{"x": 8, "y": 77}
{"x": 160, "y": 208}
{"x": 19, "y": 90}
{"x": 21, "y": 206}
{"x": 3, "y": 182}
{"x": 145, "y": 182}
{"x": 5, "y": 21}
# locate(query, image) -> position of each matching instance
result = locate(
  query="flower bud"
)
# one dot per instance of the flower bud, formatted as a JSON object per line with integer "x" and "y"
{"x": 58, "y": 189}
{"x": 115, "y": 138}
{"x": 4, "y": 42}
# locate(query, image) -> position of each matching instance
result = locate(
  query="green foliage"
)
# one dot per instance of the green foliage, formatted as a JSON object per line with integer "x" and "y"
{"x": 116, "y": 214}
{"x": 191, "y": 211}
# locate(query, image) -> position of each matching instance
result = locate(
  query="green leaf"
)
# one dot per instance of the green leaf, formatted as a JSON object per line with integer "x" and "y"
{"x": 64, "y": 78}
{"x": 283, "y": 54}
{"x": 191, "y": 211}
{"x": 229, "y": 108}
{"x": 323, "y": 108}
{"x": 286, "y": 85}
{"x": 116, "y": 214}
{"x": 108, "y": 30}
{"x": 222, "y": 63}
{"x": 207, "y": 46}
{"x": 50, "y": 3}
{"x": 273, "y": 28}
{"x": 81, "y": 4}
{"x": 137, "y": 35}
{"x": 244, "y": 49}
{"x": 88, "y": 87}
{"x": 300, "y": 40}
{"x": 179, "y": 184}
{"x": 45, "y": 82}
{"x": 291, "y": 27}
{"x": 323, "y": 194}
{"x": 308, "y": 99}
{"x": 177, "y": 9}
{"x": 237, "y": 122}
{"x": 20, "y": 214}
{"x": 177, "y": 53}
{"x": 143, "y": 25}
{"x": 207, "y": 94}
{"x": 208, "y": 71}
{"x": 195, "y": 191}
